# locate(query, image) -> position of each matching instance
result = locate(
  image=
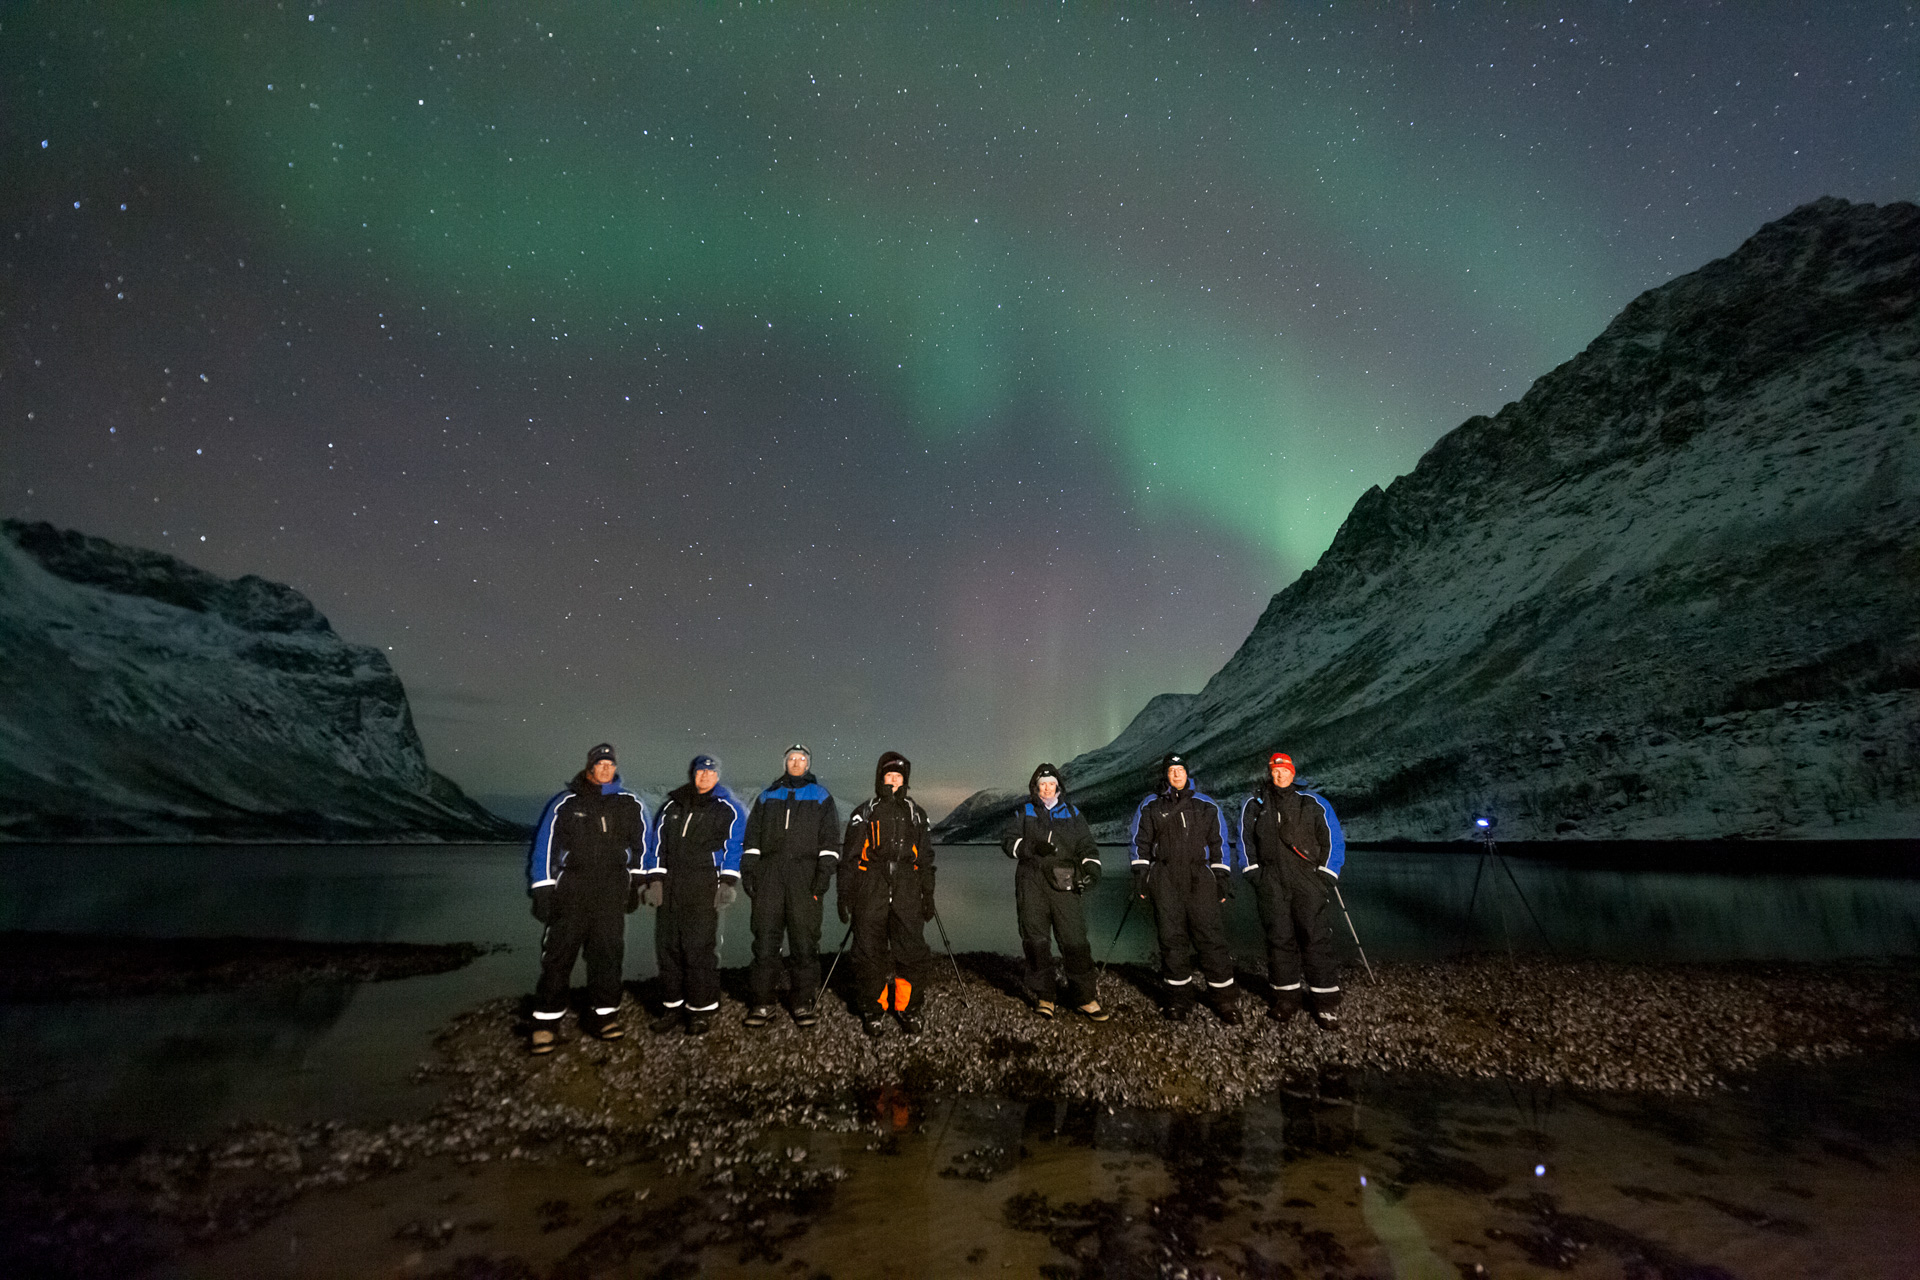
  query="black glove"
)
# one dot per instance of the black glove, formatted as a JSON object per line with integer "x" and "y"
{"x": 750, "y": 873}
{"x": 1223, "y": 882}
{"x": 724, "y": 895}
{"x": 543, "y": 903}
{"x": 655, "y": 893}
{"x": 1140, "y": 881}
{"x": 633, "y": 894}
{"x": 926, "y": 905}
{"x": 1251, "y": 872}
{"x": 822, "y": 875}
{"x": 1088, "y": 875}
{"x": 846, "y": 912}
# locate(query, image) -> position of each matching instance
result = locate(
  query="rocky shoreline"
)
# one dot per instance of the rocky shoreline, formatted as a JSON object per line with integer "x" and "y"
{"x": 726, "y": 1115}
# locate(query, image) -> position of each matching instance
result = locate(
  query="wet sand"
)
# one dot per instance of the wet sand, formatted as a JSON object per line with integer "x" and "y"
{"x": 1000, "y": 1143}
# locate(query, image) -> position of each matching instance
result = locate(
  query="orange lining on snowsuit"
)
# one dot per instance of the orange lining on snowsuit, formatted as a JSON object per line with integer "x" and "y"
{"x": 902, "y": 992}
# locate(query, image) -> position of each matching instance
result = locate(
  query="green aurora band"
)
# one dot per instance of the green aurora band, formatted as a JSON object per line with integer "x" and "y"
{"x": 980, "y": 220}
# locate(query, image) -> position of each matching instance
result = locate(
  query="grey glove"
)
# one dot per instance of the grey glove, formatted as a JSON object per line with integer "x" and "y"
{"x": 724, "y": 896}
{"x": 655, "y": 893}
{"x": 542, "y": 903}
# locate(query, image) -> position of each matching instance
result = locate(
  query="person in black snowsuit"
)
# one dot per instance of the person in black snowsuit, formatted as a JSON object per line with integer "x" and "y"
{"x": 1286, "y": 842}
{"x": 1054, "y": 860}
{"x": 1182, "y": 858}
{"x": 886, "y": 888}
{"x": 793, "y": 844}
{"x": 583, "y": 874}
{"x": 693, "y": 870}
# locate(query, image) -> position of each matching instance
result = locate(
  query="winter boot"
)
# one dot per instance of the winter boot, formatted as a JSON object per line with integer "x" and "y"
{"x": 608, "y": 1028}
{"x": 758, "y": 1016}
{"x": 698, "y": 1024}
{"x": 1327, "y": 1018}
{"x": 1045, "y": 1008}
{"x": 543, "y": 1041}
{"x": 1092, "y": 1011}
{"x": 805, "y": 1016}
{"x": 668, "y": 1021}
{"x": 909, "y": 1022}
{"x": 874, "y": 1025}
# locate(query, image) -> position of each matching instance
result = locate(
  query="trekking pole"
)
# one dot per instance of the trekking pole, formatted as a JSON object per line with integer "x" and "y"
{"x": 1132, "y": 898}
{"x": 819, "y": 995}
{"x": 1355, "y": 932}
{"x": 959, "y": 982}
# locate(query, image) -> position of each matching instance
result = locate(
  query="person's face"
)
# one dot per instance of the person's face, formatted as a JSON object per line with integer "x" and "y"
{"x": 1049, "y": 789}
{"x": 601, "y": 772}
{"x": 705, "y": 780}
{"x": 1282, "y": 774}
{"x": 1177, "y": 776}
{"x": 894, "y": 779}
{"x": 796, "y": 763}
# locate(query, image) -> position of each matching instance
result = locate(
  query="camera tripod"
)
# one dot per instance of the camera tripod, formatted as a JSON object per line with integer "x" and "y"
{"x": 1490, "y": 855}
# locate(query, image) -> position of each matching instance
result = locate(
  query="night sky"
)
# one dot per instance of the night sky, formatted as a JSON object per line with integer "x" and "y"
{"x": 914, "y": 378}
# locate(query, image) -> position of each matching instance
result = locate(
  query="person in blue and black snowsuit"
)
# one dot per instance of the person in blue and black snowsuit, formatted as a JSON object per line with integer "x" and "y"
{"x": 886, "y": 889}
{"x": 1182, "y": 858}
{"x": 693, "y": 873}
{"x": 1055, "y": 859}
{"x": 1287, "y": 843}
{"x": 583, "y": 874}
{"x": 793, "y": 846}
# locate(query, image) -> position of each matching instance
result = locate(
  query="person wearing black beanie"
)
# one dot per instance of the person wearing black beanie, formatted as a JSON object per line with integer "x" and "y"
{"x": 583, "y": 873}
{"x": 793, "y": 846}
{"x": 1055, "y": 859}
{"x": 886, "y": 889}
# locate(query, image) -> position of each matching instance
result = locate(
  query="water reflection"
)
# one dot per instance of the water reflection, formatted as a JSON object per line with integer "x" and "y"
{"x": 177, "y": 1065}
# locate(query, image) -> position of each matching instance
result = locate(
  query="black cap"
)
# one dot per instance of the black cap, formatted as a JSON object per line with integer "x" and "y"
{"x": 801, "y": 747}
{"x": 702, "y": 761}
{"x": 602, "y": 752}
{"x": 1171, "y": 759}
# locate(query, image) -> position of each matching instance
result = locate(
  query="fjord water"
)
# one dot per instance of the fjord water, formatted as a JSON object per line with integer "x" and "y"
{"x": 179, "y": 1066}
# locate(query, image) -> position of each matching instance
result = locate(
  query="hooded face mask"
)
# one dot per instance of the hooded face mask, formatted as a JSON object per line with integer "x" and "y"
{"x": 891, "y": 762}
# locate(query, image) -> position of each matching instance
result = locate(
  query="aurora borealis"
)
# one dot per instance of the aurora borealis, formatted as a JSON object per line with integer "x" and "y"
{"x": 896, "y": 376}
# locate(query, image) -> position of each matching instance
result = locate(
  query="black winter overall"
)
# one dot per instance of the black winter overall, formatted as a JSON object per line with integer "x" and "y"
{"x": 793, "y": 845}
{"x": 691, "y": 831}
{"x": 1180, "y": 837}
{"x": 1049, "y": 847}
{"x": 592, "y": 839}
{"x": 886, "y": 878}
{"x": 1284, "y": 834}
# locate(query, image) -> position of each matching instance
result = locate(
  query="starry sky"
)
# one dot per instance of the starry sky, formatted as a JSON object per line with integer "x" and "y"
{"x": 903, "y": 376}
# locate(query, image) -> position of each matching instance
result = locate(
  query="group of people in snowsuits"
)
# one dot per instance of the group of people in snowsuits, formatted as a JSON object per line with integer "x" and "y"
{"x": 596, "y": 856}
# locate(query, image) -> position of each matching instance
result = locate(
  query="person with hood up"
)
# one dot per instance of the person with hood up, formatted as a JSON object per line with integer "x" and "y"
{"x": 583, "y": 874}
{"x": 1054, "y": 861}
{"x": 1287, "y": 846}
{"x": 793, "y": 844}
{"x": 1182, "y": 857}
{"x": 886, "y": 888}
{"x": 693, "y": 872}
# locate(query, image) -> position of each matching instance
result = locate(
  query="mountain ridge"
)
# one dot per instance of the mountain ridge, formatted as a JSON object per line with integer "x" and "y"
{"x": 147, "y": 699}
{"x": 1670, "y": 593}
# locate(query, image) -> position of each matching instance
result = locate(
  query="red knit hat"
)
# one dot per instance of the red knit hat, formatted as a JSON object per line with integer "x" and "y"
{"x": 1280, "y": 757}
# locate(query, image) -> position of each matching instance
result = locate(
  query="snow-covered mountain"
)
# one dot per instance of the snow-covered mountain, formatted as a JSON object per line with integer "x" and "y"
{"x": 1671, "y": 593}
{"x": 141, "y": 697}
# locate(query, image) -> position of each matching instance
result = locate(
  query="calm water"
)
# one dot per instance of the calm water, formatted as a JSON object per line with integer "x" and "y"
{"x": 1698, "y": 1175}
{"x": 178, "y": 1065}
